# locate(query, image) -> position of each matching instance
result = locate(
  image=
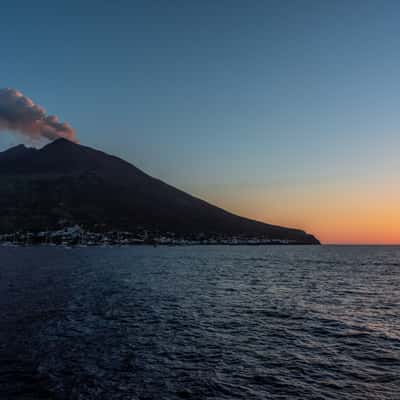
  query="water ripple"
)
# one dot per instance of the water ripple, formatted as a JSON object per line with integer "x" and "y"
{"x": 200, "y": 323}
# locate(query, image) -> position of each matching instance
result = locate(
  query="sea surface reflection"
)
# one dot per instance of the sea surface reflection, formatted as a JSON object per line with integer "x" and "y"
{"x": 205, "y": 322}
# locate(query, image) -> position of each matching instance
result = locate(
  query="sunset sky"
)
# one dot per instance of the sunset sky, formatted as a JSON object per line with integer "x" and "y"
{"x": 282, "y": 111}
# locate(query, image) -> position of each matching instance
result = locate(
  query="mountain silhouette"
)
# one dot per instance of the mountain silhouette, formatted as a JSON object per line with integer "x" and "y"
{"x": 68, "y": 183}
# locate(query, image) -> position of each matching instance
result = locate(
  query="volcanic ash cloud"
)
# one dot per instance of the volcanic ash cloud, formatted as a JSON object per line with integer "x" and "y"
{"x": 20, "y": 114}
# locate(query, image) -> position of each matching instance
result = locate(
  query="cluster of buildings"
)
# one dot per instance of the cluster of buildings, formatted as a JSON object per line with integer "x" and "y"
{"x": 77, "y": 236}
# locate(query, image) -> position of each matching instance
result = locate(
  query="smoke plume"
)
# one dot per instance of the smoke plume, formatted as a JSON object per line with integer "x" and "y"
{"x": 20, "y": 114}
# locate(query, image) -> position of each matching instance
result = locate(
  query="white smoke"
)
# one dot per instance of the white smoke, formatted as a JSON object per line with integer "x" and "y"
{"x": 20, "y": 114}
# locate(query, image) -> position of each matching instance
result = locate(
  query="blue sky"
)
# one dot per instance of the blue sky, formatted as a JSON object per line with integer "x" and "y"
{"x": 239, "y": 102}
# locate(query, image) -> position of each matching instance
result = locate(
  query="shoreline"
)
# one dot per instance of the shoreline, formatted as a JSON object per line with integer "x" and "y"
{"x": 66, "y": 245}
{"x": 78, "y": 236}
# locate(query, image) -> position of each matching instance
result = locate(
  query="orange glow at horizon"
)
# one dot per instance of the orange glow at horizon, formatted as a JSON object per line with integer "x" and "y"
{"x": 335, "y": 214}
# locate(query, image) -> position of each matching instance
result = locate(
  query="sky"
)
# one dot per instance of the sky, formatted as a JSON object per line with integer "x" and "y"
{"x": 281, "y": 111}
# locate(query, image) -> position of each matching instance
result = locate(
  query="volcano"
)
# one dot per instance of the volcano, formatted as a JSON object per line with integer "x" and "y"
{"x": 65, "y": 183}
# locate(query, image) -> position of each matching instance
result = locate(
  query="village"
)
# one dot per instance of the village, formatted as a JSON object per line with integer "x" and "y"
{"x": 77, "y": 236}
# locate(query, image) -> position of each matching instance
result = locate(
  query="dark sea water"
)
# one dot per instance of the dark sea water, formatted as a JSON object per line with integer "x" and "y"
{"x": 212, "y": 322}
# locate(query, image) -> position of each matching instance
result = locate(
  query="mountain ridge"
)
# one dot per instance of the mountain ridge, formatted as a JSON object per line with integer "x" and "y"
{"x": 69, "y": 182}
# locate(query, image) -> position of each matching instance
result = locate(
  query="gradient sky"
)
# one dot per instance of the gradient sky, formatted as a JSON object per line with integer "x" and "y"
{"x": 283, "y": 111}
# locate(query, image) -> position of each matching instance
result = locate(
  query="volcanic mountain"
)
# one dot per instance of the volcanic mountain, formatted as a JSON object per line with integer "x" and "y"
{"x": 67, "y": 183}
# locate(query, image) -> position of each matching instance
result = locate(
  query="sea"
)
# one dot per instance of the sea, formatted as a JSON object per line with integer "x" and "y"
{"x": 200, "y": 322}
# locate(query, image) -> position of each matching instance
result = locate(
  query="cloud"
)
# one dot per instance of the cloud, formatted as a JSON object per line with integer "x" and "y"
{"x": 20, "y": 114}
